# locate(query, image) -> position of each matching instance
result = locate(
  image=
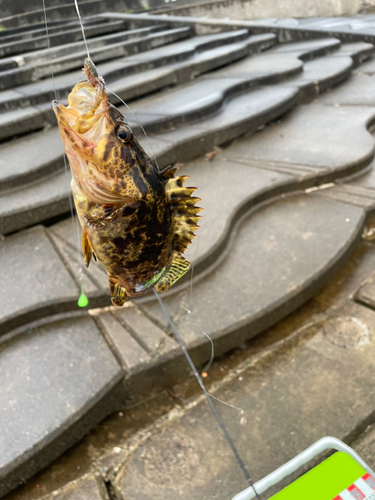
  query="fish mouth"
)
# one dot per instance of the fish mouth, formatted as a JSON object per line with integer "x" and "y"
{"x": 56, "y": 108}
{"x": 87, "y": 102}
{"x": 86, "y": 108}
{"x": 66, "y": 117}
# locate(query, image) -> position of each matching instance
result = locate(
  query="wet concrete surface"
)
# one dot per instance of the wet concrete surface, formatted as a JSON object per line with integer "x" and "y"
{"x": 103, "y": 449}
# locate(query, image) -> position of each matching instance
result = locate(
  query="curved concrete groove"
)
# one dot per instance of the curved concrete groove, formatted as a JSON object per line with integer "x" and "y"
{"x": 309, "y": 259}
{"x": 322, "y": 74}
{"x": 31, "y": 31}
{"x": 135, "y": 79}
{"x": 357, "y": 189}
{"x": 181, "y": 144}
{"x": 35, "y": 117}
{"x": 222, "y": 211}
{"x": 41, "y": 56}
{"x": 215, "y": 127}
{"x": 353, "y": 194}
{"x": 358, "y": 51}
{"x": 241, "y": 115}
{"x": 148, "y": 52}
{"x": 198, "y": 98}
{"x": 309, "y": 49}
{"x": 72, "y": 34}
{"x": 30, "y": 165}
{"x": 316, "y": 139}
{"x": 146, "y": 76}
{"x": 254, "y": 71}
{"x": 20, "y": 76}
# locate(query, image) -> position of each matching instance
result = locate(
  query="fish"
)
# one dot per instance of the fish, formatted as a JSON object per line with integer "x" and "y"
{"x": 137, "y": 220}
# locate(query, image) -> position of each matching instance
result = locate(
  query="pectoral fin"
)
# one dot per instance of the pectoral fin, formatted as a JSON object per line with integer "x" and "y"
{"x": 87, "y": 248}
{"x": 179, "y": 267}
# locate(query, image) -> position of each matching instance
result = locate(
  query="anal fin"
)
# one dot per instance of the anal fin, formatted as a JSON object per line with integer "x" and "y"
{"x": 118, "y": 293}
{"x": 179, "y": 267}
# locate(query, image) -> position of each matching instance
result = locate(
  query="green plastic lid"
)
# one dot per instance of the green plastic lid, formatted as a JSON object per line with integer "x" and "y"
{"x": 325, "y": 481}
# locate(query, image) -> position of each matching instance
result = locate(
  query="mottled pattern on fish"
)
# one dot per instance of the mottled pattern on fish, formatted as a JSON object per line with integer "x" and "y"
{"x": 136, "y": 220}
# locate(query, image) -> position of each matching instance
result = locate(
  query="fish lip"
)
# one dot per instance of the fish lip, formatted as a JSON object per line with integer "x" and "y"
{"x": 55, "y": 107}
{"x": 61, "y": 114}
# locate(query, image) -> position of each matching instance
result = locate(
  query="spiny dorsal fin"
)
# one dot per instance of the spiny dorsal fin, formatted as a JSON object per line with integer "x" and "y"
{"x": 183, "y": 208}
{"x": 168, "y": 173}
{"x": 179, "y": 267}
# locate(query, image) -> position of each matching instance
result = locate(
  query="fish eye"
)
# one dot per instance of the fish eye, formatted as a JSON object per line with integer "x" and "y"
{"x": 124, "y": 133}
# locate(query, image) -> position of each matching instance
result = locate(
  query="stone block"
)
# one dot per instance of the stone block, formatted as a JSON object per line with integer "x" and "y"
{"x": 58, "y": 381}
{"x": 35, "y": 281}
{"x": 89, "y": 487}
{"x": 266, "y": 274}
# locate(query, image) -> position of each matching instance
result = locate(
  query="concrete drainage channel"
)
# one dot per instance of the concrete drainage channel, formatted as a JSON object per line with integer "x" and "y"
{"x": 245, "y": 115}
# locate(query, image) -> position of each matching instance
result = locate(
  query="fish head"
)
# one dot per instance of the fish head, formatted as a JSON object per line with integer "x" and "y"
{"x": 102, "y": 151}
{"x": 89, "y": 123}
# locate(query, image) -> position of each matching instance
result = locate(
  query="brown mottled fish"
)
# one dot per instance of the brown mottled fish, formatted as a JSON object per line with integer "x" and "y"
{"x": 136, "y": 220}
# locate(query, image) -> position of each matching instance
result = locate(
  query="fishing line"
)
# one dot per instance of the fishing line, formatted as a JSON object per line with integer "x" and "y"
{"x": 211, "y": 360}
{"x": 227, "y": 404}
{"x": 177, "y": 336}
{"x": 118, "y": 97}
{"x": 139, "y": 123}
{"x": 82, "y": 29}
{"x": 83, "y": 300}
{"x": 212, "y": 356}
{"x": 208, "y": 366}
{"x": 208, "y": 397}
